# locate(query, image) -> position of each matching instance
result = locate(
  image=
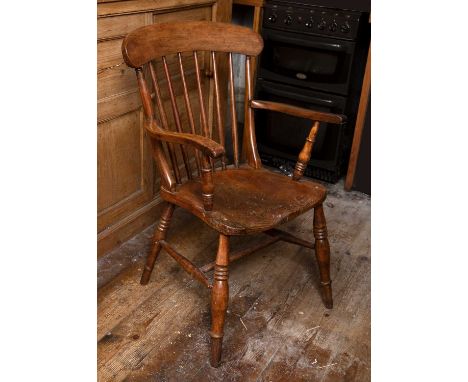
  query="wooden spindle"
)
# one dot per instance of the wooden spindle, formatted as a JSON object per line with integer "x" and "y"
{"x": 145, "y": 95}
{"x": 175, "y": 112}
{"x": 189, "y": 110}
{"x": 157, "y": 146}
{"x": 249, "y": 141}
{"x": 157, "y": 90}
{"x": 219, "y": 121}
{"x": 235, "y": 139}
{"x": 160, "y": 159}
{"x": 204, "y": 123}
{"x": 165, "y": 125}
{"x": 186, "y": 264}
{"x": 304, "y": 155}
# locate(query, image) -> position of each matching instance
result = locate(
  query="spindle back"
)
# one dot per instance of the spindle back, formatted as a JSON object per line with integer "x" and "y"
{"x": 179, "y": 58}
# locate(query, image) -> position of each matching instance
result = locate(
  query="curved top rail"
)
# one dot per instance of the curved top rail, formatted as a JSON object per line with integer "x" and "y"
{"x": 152, "y": 41}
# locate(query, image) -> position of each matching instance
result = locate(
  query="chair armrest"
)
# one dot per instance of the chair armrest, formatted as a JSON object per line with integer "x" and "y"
{"x": 298, "y": 111}
{"x": 206, "y": 145}
{"x": 315, "y": 116}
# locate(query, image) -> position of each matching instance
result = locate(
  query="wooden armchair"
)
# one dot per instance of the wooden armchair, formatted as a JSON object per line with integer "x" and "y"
{"x": 236, "y": 198}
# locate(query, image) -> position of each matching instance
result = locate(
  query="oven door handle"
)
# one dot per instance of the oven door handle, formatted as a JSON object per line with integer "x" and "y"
{"x": 336, "y": 47}
{"x": 284, "y": 93}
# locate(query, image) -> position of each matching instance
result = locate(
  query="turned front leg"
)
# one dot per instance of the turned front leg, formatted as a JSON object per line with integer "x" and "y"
{"x": 219, "y": 299}
{"x": 322, "y": 253}
{"x": 159, "y": 234}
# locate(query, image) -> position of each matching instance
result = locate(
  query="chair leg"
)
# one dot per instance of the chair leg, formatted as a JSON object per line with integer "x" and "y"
{"x": 219, "y": 299}
{"x": 159, "y": 234}
{"x": 322, "y": 253}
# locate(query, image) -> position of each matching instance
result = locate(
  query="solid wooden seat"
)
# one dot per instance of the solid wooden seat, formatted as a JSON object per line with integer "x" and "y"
{"x": 188, "y": 146}
{"x": 249, "y": 201}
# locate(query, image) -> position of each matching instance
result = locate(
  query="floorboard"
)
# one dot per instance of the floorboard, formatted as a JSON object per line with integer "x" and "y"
{"x": 277, "y": 328}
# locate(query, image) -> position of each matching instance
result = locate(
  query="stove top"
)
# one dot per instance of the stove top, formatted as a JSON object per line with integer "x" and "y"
{"x": 352, "y": 5}
{"x": 297, "y": 16}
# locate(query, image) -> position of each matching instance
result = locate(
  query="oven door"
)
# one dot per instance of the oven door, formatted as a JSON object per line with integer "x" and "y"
{"x": 280, "y": 137}
{"x": 313, "y": 62}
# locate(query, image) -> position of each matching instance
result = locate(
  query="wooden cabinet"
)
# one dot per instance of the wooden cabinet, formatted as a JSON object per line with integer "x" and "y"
{"x": 128, "y": 182}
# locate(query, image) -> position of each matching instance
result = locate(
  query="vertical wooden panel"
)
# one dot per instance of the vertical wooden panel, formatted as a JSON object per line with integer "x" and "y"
{"x": 360, "y": 118}
{"x": 119, "y": 169}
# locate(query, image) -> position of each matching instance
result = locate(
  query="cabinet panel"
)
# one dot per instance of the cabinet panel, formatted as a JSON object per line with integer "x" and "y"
{"x": 119, "y": 25}
{"x": 120, "y": 159}
{"x": 138, "y": 6}
{"x": 125, "y": 173}
{"x": 117, "y": 105}
{"x": 197, "y": 14}
{"x": 109, "y": 53}
{"x": 115, "y": 81}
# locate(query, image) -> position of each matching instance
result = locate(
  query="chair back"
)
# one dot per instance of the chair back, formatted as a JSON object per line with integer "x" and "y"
{"x": 179, "y": 58}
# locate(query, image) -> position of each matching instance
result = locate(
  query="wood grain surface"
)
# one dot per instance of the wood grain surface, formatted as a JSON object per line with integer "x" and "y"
{"x": 276, "y": 327}
{"x": 244, "y": 202}
{"x": 184, "y": 36}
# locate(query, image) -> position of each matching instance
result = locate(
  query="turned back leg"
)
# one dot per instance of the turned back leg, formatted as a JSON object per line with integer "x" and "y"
{"x": 322, "y": 253}
{"x": 219, "y": 299}
{"x": 159, "y": 234}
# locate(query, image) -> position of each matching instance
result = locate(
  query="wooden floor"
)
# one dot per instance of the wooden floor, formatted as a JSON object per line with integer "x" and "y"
{"x": 277, "y": 328}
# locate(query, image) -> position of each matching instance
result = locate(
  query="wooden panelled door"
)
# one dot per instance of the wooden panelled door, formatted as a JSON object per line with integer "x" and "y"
{"x": 128, "y": 184}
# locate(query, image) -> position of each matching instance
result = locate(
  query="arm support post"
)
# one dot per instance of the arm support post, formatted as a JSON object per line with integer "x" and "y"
{"x": 209, "y": 149}
{"x": 207, "y": 184}
{"x": 304, "y": 155}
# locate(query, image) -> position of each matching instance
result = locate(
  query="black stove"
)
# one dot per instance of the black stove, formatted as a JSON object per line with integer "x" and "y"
{"x": 314, "y": 20}
{"x": 314, "y": 57}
